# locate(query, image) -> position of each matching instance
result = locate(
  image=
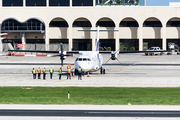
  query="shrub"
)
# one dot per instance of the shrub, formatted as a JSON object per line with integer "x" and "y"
{"x": 109, "y": 48}
{"x": 101, "y": 48}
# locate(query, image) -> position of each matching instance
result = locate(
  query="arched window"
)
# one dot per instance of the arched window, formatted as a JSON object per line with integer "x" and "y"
{"x": 30, "y": 25}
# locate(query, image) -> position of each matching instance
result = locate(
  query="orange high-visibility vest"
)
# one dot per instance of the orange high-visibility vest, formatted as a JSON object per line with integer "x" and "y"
{"x": 68, "y": 69}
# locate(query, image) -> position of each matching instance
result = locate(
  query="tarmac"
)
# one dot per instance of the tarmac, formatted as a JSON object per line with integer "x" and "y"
{"x": 134, "y": 70}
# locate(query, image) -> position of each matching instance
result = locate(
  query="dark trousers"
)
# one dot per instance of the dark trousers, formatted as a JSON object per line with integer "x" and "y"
{"x": 69, "y": 75}
{"x": 44, "y": 76}
{"x": 79, "y": 76}
{"x": 34, "y": 76}
{"x": 51, "y": 75}
{"x": 59, "y": 76}
{"x": 39, "y": 75}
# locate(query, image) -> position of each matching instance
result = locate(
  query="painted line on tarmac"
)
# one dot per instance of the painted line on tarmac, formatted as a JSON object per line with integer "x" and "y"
{"x": 12, "y": 76}
{"x": 66, "y": 79}
{"x": 117, "y": 68}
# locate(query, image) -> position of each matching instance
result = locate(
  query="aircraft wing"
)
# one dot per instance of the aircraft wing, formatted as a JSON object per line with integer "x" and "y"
{"x": 148, "y": 51}
{"x": 44, "y": 51}
{"x": 3, "y": 34}
{"x": 38, "y": 51}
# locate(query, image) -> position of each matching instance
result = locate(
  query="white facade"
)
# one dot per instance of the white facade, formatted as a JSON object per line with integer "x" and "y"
{"x": 93, "y": 14}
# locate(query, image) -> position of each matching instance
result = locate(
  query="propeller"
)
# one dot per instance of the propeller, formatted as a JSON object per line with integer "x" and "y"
{"x": 113, "y": 55}
{"x": 62, "y": 54}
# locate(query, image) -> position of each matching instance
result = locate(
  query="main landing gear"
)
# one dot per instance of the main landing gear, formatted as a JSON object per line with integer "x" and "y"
{"x": 102, "y": 70}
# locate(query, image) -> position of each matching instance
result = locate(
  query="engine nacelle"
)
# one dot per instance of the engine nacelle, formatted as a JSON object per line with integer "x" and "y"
{"x": 113, "y": 55}
{"x": 63, "y": 55}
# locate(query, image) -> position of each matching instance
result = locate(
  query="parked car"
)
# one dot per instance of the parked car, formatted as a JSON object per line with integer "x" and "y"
{"x": 154, "y": 49}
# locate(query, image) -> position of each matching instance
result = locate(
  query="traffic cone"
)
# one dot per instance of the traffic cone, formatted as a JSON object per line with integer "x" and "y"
{"x": 88, "y": 75}
{"x": 129, "y": 103}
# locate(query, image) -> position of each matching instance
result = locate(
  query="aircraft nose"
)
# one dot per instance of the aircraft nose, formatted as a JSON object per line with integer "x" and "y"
{"x": 85, "y": 66}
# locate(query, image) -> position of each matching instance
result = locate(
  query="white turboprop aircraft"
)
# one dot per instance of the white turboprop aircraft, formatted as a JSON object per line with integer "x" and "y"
{"x": 89, "y": 61}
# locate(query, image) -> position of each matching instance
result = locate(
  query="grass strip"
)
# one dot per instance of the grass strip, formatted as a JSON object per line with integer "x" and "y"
{"x": 90, "y": 95}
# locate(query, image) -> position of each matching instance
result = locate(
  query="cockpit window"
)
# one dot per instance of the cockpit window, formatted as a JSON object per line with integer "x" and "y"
{"x": 84, "y": 59}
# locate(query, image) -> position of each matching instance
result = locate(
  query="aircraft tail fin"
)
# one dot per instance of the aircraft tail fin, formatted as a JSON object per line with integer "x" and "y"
{"x": 97, "y": 44}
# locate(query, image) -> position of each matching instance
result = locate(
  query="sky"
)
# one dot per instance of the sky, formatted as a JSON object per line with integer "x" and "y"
{"x": 159, "y": 2}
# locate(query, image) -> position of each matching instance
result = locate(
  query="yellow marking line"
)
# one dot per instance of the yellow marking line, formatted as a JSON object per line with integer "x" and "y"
{"x": 13, "y": 76}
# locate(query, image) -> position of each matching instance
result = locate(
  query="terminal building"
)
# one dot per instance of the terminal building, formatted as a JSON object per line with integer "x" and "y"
{"x": 44, "y": 24}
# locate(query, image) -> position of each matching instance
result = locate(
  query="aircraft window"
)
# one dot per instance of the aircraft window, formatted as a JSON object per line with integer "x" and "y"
{"x": 77, "y": 59}
{"x": 80, "y": 59}
{"x": 89, "y": 59}
{"x": 84, "y": 59}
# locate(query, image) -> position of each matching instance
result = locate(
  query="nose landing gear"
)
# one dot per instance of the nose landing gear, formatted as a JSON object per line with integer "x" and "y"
{"x": 102, "y": 71}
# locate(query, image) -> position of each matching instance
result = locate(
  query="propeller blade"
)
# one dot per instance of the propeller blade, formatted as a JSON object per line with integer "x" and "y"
{"x": 61, "y": 45}
{"x": 61, "y": 62}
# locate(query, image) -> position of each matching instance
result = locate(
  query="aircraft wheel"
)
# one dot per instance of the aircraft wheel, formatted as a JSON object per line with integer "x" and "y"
{"x": 76, "y": 72}
{"x": 104, "y": 71}
{"x": 152, "y": 54}
{"x": 101, "y": 71}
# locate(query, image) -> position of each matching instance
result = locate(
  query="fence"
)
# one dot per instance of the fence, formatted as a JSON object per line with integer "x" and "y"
{"x": 52, "y": 47}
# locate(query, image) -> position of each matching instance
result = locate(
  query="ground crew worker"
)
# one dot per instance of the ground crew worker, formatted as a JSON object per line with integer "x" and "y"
{"x": 39, "y": 73}
{"x": 44, "y": 74}
{"x": 69, "y": 71}
{"x": 34, "y": 73}
{"x": 51, "y": 72}
{"x": 60, "y": 72}
{"x": 79, "y": 73}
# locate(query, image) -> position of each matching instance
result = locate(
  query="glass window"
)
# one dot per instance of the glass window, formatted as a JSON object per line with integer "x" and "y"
{"x": 129, "y": 24}
{"x": 105, "y": 24}
{"x": 32, "y": 24}
{"x": 117, "y": 2}
{"x": 89, "y": 59}
{"x": 173, "y": 24}
{"x": 82, "y": 45}
{"x": 82, "y": 2}
{"x": 152, "y": 24}
{"x": 129, "y": 44}
{"x": 59, "y": 3}
{"x": 81, "y": 24}
{"x": 84, "y": 59}
{"x": 35, "y": 2}
{"x": 58, "y": 24}
{"x": 108, "y": 43}
{"x": 12, "y": 3}
{"x": 80, "y": 59}
{"x": 152, "y": 43}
